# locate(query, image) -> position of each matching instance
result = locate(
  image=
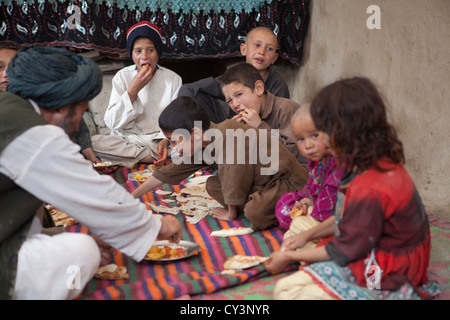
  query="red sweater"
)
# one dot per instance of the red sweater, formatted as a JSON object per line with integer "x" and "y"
{"x": 382, "y": 211}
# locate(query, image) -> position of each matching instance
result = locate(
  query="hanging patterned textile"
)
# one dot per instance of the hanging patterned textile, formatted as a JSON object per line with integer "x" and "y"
{"x": 191, "y": 28}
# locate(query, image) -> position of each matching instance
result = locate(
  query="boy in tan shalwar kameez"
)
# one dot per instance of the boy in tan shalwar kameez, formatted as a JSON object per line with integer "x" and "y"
{"x": 244, "y": 181}
{"x": 246, "y": 94}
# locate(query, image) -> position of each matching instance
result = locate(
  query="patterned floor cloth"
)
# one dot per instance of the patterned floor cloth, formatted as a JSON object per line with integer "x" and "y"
{"x": 201, "y": 274}
{"x": 200, "y": 277}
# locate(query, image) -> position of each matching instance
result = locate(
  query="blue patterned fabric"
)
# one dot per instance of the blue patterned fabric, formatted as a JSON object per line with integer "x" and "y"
{"x": 342, "y": 284}
{"x": 214, "y": 32}
{"x": 194, "y": 6}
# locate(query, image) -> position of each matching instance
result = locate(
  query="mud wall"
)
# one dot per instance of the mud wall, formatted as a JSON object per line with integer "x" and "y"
{"x": 408, "y": 58}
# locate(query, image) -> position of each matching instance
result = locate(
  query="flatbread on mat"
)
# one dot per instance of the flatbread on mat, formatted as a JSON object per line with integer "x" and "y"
{"x": 232, "y": 232}
{"x": 240, "y": 262}
{"x": 112, "y": 272}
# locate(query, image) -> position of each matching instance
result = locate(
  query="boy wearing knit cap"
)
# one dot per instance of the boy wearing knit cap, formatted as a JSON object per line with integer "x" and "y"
{"x": 139, "y": 94}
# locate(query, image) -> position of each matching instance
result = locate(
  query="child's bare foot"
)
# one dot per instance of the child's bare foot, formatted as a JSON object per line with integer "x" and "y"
{"x": 223, "y": 214}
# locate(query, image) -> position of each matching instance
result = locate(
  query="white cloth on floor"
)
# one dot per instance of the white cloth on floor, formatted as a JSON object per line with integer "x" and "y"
{"x": 55, "y": 267}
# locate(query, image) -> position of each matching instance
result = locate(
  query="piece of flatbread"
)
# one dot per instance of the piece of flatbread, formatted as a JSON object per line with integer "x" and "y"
{"x": 194, "y": 219}
{"x": 241, "y": 262}
{"x": 296, "y": 212}
{"x": 197, "y": 181}
{"x": 60, "y": 218}
{"x": 192, "y": 206}
{"x": 198, "y": 208}
{"x": 167, "y": 200}
{"x": 196, "y": 190}
{"x": 164, "y": 209}
{"x": 111, "y": 272}
{"x": 163, "y": 192}
{"x": 195, "y": 207}
{"x": 102, "y": 164}
{"x": 232, "y": 232}
{"x": 193, "y": 200}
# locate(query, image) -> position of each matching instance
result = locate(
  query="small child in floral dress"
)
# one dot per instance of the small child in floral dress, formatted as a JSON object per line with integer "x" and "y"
{"x": 316, "y": 200}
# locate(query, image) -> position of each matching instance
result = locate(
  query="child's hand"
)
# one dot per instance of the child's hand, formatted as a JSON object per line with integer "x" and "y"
{"x": 239, "y": 116}
{"x": 251, "y": 117}
{"x": 303, "y": 205}
{"x": 162, "y": 151}
{"x": 278, "y": 261}
{"x": 139, "y": 81}
{"x": 144, "y": 76}
{"x": 294, "y": 242}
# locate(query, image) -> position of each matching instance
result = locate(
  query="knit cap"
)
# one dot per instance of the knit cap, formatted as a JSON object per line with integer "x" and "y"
{"x": 148, "y": 30}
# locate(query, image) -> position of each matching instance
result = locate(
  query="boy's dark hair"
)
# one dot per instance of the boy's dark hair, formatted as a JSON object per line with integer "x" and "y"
{"x": 9, "y": 44}
{"x": 182, "y": 113}
{"x": 353, "y": 114}
{"x": 243, "y": 73}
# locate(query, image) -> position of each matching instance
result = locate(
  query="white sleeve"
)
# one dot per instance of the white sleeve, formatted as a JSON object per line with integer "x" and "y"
{"x": 178, "y": 82}
{"x": 121, "y": 112}
{"x": 44, "y": 162}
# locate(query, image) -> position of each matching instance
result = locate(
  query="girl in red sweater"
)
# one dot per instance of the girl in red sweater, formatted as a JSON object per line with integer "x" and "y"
{"x": 381, "y": 244}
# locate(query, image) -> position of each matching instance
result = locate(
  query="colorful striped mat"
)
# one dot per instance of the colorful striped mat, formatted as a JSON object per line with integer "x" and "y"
{"x": 200, "y": 277}
{"x": 197, "y": 275}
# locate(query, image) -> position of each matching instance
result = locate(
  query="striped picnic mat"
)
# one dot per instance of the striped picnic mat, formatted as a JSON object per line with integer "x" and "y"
{"x": 197, "y": 275}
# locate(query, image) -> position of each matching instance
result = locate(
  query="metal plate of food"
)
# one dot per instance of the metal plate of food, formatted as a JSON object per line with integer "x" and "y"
{"x": 169, "y": 251}
{"x": 140, "y": 176}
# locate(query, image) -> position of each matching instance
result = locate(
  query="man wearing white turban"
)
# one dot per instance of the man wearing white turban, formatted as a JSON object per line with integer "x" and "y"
{"x": 49, "y": 90}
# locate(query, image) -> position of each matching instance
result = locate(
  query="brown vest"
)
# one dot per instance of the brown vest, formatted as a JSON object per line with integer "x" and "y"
{"x": 17, "y": 206}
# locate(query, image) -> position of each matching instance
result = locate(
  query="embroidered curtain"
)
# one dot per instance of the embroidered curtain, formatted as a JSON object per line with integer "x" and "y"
{"x": 191, "y": 28}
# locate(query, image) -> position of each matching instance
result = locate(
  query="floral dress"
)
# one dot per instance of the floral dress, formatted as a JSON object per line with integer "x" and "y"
{"x": 321, "y": 188}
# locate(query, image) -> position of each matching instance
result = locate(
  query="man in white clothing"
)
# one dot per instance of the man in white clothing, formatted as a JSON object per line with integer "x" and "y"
{"x": 40, "y": 164}
{"x": 139, "y": 94}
